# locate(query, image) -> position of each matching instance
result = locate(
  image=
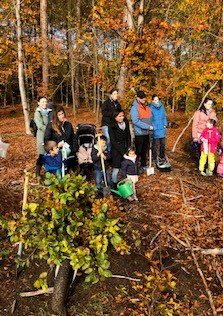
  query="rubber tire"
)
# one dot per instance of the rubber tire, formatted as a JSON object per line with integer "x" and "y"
{"x": 61, "y": 287}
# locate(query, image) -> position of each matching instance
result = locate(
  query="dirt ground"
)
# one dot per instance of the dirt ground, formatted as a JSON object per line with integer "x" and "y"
{"x": 176, "y": 211}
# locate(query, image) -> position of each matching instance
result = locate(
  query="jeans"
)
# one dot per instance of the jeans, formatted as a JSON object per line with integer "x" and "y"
{"x": 106, "y": 133}
{"x": 115, "y": 175}
{"x": 162, "y": 148}
{"x": 142, "y": 146}
{"x": 98, "y": 176}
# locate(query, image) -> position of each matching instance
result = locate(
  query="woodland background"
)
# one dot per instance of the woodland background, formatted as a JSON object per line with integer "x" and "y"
{"x": 76, "y": 51}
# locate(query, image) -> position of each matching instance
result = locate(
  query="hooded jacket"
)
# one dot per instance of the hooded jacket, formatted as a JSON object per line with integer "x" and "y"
{"x": 129, "y": 166}
{"x": 108, "y": 110}
{"x": 141, "y": 118}
{"x": 212, "y": 136}
{"x": 158, "y": 120}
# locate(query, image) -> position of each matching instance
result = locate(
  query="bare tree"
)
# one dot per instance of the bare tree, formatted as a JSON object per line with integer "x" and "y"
{"x": 21, "y": 67}
{"x": 44, "y": 35}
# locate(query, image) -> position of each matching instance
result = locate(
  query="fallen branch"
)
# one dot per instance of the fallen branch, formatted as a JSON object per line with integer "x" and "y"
{"x": 203, "y": 278}
{"x": 183, "y": 192}
{"x": 191, "y": 119}
{"x": 195, "y": 198}
{"x": 168, "y": 195}
{"x": 177, "y": 239}
{"x": 213, "y": 252}
{"x": 194, "y": 184}
{"x": 124, "y": 277}
{"x": 154, "y": 238}
{"x": 35, "y": 293}
{"x": 186, "y": 215}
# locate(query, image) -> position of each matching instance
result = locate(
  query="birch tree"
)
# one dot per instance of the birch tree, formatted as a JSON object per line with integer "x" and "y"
{"x": 17, "y": 5}
{"x": 44, "y": 38}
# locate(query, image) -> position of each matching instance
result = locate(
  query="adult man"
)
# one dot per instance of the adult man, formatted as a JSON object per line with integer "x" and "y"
{"x": 108, "y": 110}
{"x": 141, "y": 119}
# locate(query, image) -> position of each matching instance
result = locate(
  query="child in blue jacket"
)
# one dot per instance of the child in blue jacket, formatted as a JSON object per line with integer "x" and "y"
{"x": 159, "y": 122}
{"x": 53, "y": 158}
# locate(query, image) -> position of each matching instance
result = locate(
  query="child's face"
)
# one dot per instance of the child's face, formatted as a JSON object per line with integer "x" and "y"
{"x": 156, "y": 100}
{"x": 103, "y": 143}
{"x": 209, "y": 125}
{"x": 132, "y": 153}
{"x": 54, "y": 151}
{"x": 120, "y": 117}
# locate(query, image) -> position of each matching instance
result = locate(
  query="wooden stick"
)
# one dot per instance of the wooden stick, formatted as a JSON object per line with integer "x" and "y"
{"x": 213, "y": 252}
{"x": 195, "y": 198}
{"x": 183, "y": 192}
{"x": 154, "y": 238}
{"x": 195, "y": 185}
{"x": 177, "y": 239}
{"x": 168, "y": 195}
{"x": 203, "y": 278}
{"x": 124, "y": 277}
{"x": 35, "y": 293}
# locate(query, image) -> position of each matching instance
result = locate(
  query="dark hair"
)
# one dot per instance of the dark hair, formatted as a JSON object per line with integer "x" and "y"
{"x": 212, "y": 121}
{"x": 203, "y": 108}
{"x": 41, "y": 97}
{"x": 154, "y": 96}
{"x": 103, "y": 137}
{"x": 56, "y": 124}
{"x": 117, "y": 112}
{"x": 113, "y": 90}
{"x": 141, "y": 94}
{"x": 50, "y": 144}
{"x": 131, "y": 148}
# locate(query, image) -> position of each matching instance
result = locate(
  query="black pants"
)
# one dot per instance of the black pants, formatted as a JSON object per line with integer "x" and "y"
{"x": 142, "y": 146}
{"x": 162, "y": 148}
{"x": 39, "y": 164}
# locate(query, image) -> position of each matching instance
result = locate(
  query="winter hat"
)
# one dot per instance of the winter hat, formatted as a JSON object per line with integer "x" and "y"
{"x": 141, "y": 94}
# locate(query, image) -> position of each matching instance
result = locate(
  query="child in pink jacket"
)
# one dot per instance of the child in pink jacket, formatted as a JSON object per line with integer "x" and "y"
{"x": 209, "y": 139}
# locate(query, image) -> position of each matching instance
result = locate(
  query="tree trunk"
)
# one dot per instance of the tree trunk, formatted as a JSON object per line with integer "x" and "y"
{"x": 77, "y": 65}
{"x": 44, "y": 35}
{"x": 21, "y": 68}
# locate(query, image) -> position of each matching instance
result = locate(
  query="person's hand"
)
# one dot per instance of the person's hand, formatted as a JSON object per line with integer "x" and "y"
{"x": 103, "y": 156}
{"x": 195, "y": 139}
{"x": 151, "y": 128}
{"x": 60, "y": 144}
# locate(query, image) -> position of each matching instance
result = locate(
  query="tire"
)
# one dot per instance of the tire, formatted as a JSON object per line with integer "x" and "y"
{"x": 61, "y": 287}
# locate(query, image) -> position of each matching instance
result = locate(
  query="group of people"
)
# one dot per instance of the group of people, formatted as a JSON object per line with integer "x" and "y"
{"x": 207, "y": 139}
{"x": 114, "y": 147}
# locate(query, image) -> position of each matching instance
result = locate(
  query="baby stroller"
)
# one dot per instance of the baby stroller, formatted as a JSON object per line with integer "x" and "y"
{"x": 85, "y": 137}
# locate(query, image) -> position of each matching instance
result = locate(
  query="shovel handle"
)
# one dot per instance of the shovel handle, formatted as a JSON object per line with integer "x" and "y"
{"x": 102, "y": 161}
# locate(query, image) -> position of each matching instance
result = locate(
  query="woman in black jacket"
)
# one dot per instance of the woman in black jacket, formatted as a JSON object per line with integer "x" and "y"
{"x": 108, "y": 109}
{"x": 120, "y": 141}
{"x": 61, "y": 131}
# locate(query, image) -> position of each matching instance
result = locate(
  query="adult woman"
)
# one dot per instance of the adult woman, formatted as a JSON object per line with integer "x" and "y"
{"x": 120, "y": 141}
{"x": 159, "y": 122}
{"x": 108, "y": 109}
{"x": 201, "y": 117}
{"x": 41, "y": 118}
{"x": 61, "y": 131}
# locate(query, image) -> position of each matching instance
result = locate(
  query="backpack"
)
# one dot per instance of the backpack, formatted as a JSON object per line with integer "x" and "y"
{"x": 33, "y": 127}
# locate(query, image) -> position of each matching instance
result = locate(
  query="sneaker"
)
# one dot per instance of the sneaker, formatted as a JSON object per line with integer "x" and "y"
{"x": 209, "y": 173}
{"x": 203, "y": 173}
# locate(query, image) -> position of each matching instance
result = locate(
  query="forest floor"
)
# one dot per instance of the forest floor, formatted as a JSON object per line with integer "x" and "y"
{"x": 179, "y": 213}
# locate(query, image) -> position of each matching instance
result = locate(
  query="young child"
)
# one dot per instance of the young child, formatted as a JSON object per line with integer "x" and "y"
{"x": 209, "y": 140}
{"x": 53, "y": 158}
{"x": 130, "y": 169}
{"x": 99, "y": 152}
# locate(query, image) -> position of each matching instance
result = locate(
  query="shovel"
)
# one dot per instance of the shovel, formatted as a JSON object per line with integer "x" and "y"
{"x": 106, "y": 189}
{"x": 150, "y": 169}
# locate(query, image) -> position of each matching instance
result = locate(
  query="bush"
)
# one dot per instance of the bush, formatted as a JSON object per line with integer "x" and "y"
{"x": 64, "y": 220}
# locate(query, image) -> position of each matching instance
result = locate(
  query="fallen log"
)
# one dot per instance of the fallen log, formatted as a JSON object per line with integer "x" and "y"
{"x": 213, "y": 252}
{"x": 35, "y": 293}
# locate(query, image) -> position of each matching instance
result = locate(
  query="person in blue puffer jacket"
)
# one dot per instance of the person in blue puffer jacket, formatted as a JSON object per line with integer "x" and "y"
{"x": 159, "y": 122}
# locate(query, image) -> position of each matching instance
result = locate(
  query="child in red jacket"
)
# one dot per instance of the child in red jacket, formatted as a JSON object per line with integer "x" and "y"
{"x": 209, "y": 139}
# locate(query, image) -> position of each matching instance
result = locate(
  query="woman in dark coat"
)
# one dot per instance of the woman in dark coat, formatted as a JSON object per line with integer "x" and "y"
{"x": 120, "y": 141}
{"x": 61, "y": 131}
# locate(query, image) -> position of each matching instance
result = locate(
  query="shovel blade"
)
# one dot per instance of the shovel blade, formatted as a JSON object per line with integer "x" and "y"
{"x": 150, "y": 171}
